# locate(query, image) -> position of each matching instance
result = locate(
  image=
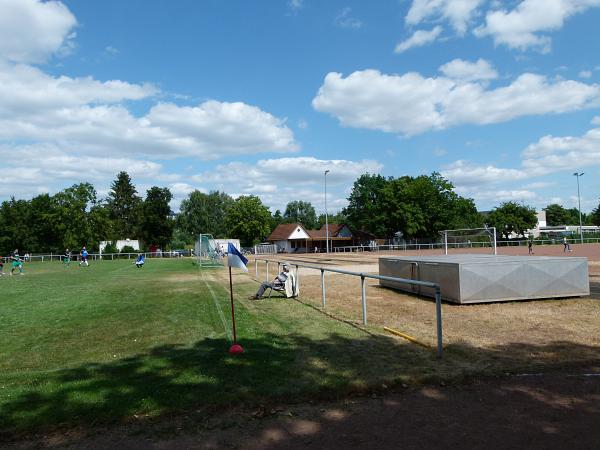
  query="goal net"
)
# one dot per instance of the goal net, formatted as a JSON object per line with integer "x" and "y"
{"x": 207, "y": 251}
{"x": 469, "y": 238}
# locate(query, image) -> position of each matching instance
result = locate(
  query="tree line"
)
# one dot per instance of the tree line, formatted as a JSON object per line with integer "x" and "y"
{"x": 75, "y": 217}
{"x": 417, "y": 207}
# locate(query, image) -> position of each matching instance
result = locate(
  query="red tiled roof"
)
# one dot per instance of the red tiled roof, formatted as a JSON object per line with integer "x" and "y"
{"x": 334, "y": 229}
{"x": 283, "y": 231}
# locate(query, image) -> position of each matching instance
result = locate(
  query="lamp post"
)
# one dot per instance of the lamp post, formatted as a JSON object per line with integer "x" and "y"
{"x": 579, "y": 174}
{"x": 326, "y": 221}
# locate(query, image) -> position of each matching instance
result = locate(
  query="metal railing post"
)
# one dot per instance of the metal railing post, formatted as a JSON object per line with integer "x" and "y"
{"x": 364, "y": 299}
{"x": 267, "y": 273}
{"x": 298, "y": 280}
{"x": 323, "y": 286}
{"x": 438, "y": 318}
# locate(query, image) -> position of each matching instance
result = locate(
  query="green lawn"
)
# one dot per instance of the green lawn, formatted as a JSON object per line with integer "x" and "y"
{"x": 109, "y": 341}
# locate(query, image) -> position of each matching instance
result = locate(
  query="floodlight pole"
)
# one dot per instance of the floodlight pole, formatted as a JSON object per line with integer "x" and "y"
{"x": 326, "y": 220}
{"x": 579, "y": 174}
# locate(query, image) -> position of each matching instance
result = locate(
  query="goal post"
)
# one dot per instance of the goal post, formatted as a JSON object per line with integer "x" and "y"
{"x": 207, "y": 252}
{"x": 469, "y": 238}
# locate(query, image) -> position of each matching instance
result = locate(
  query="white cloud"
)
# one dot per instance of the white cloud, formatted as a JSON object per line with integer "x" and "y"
{"x": 281, "y": 180}
{"x": 521, "y": 27}
{"x": 109, "y": 49}
{"x": 299, "y": 170}
{"x": 458, "y": 12}
{"x": 26, "y": 90}
{"x": 552, "y": 154}
{"x": 461, "y": 70}
{"x": 596, "y": 120}
{"x": 88, "y": 115}
{"x": 585, "y": 74}
{"x": 546, "y": 156}
{"x": 419, "y": 39}
{"x": 31, "y": 31}
{"x": 412, "y": 104}
{"x": 464, "y": 173}
{"x": 39, "y": 168}
{"x": 344, "y": 19}
{"x": 539, "y": 185}
{"x": 503, "y": 195}
{"x": 295, "y": 5}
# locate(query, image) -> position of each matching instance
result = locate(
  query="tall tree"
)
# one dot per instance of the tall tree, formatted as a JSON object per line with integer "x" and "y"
{"x": 157, "y": 224}
{"x": 204, "y": 213}
{"x": 71, "y": 214}
{"x": 14, "y": 216}
{"x": 299, "y": 211}
{"x": 557, "y": 215}
{"x": 276, "y": 219}
{"x": 366, "y": 210}
{"x": 248, "y": 220}
{"x": 510, "y": 217}
{"x": 101, "y": 225}
{"x": 336, "y": 217}
{"x": 41, "y": 225}
{"x": 124, "y": 207}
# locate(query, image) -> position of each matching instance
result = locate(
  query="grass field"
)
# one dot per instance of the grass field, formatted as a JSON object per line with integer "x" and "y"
{"x": 111, "y": 343}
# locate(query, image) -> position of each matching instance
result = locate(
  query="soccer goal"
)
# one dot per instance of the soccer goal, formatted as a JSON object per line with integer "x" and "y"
{"x": 470, "y": 238}
{"x": 207, "y": 252}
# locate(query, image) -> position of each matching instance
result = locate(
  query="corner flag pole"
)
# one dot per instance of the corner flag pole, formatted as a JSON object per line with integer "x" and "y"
{"x": 236, "y": 348}
{"x": 232, "y": 308}
{"x": 235, "y": 259}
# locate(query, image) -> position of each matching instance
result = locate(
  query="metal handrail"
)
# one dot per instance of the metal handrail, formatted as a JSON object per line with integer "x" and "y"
{"x": 362, "y": 275}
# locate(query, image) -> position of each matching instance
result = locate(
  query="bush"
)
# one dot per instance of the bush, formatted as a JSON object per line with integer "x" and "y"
{"x": 111, "y": 248}
{"x": 128, "y": 249}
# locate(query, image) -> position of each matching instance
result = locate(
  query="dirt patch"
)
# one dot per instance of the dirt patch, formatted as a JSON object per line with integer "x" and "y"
{"x": 539, "y": 411}
{"x": 492, "y": 326}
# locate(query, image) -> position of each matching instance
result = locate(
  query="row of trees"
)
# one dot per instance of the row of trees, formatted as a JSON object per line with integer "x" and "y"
{"x": 75, "y": 217}
{"x": 418, "y": 207}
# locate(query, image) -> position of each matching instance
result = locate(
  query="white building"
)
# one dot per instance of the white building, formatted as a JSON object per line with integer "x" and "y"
{"x": 134, "y": 243}
{"x": 222, "y": 244}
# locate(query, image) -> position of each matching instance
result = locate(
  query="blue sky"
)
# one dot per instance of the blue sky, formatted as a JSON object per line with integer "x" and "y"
{"x": 261, "y": 97}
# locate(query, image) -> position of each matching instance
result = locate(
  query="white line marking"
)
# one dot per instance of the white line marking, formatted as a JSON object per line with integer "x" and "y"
{"x": 216, "y": 302}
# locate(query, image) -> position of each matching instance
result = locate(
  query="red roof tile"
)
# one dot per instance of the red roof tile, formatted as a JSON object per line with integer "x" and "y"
{"x": 283, "y": 231}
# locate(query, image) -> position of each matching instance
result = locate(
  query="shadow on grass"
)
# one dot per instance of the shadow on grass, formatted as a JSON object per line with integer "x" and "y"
{"x": 171, "y": 379}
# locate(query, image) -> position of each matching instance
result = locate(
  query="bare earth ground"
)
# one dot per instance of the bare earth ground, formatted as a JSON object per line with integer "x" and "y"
{"x": 551, "y": 409}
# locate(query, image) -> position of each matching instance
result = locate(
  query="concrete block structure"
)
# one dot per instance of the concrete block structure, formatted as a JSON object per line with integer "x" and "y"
{"x": 490, "y": 278}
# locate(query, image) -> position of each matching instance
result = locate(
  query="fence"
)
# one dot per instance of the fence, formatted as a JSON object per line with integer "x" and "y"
{"x": 440, "y": 245}
{"x": 363, "y": 276}
{"x": 106, "y": 256}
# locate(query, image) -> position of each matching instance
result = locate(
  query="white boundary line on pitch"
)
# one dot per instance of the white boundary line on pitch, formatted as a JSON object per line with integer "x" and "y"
{"x": 216, "y": 302}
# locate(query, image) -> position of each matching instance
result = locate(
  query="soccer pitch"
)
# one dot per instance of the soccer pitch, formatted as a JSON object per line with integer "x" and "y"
{"x": 110, "y": 342}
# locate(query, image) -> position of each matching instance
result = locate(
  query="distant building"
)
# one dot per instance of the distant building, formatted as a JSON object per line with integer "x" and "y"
{"x": 559, "y": 230}
{"x": 223, "y": 244}
{"x": 295, "y": 238}
{"x": 134, "y": 243}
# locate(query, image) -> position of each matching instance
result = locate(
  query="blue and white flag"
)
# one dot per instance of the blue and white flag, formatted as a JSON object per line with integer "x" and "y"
{"x": 235, "y": 258}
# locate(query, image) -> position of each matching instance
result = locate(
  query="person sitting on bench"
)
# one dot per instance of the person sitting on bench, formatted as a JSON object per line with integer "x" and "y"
{"x": 283, "y": 282}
